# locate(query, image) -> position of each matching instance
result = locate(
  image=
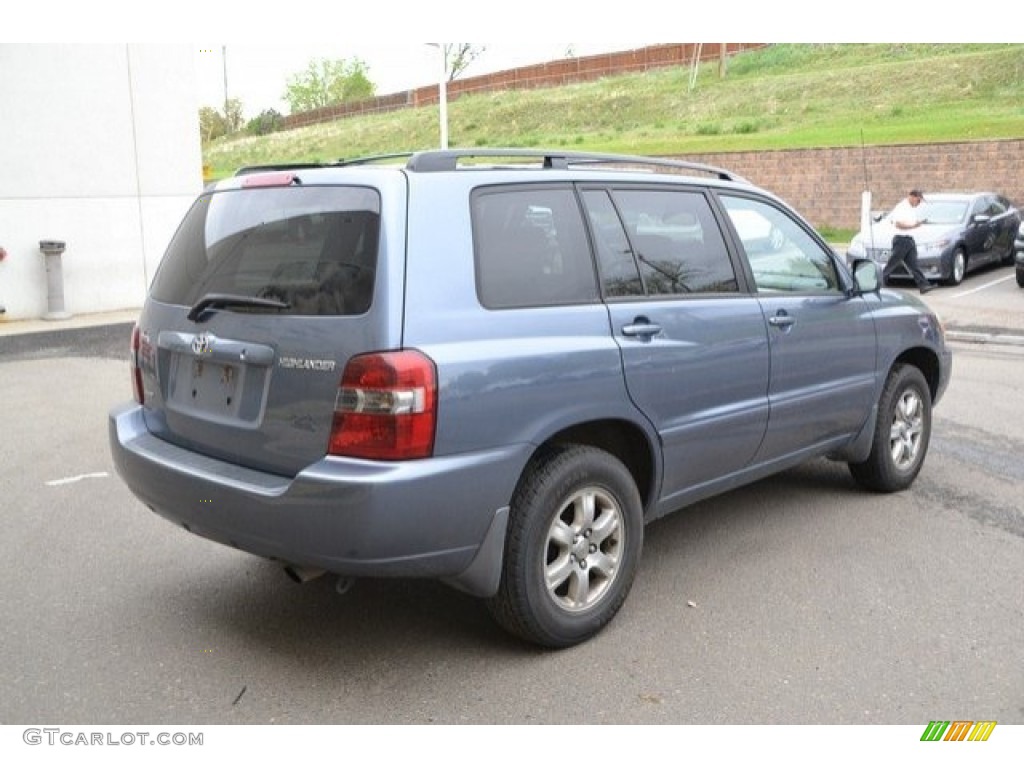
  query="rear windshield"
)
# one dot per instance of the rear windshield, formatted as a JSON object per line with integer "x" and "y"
{"x": 313, "y": 249}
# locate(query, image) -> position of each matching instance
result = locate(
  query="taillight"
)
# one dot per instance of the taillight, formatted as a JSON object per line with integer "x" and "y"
{"x": 386, "y": 407}
{"x": 140, "y": 398}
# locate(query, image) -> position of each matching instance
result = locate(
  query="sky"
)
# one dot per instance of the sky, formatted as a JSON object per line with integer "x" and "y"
{"x": 267, "y": 42}
{"x": 258, "y": 74}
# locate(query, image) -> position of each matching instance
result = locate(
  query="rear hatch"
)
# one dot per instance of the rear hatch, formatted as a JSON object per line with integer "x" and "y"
{"x": 272, "y": 282}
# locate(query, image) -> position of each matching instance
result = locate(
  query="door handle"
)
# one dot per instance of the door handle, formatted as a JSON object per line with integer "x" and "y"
{"x": 781, "y": 320}
{"x": 641, "y": 327}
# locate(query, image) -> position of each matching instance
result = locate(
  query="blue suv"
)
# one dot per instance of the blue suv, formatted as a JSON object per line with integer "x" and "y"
{"x": 493, "y": 367}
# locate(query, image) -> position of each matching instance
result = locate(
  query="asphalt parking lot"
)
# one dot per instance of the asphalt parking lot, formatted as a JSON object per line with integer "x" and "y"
{"x": 796, "y": 600}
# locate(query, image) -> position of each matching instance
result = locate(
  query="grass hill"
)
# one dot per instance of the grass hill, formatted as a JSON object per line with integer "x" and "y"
{"x": 783, "y": 96}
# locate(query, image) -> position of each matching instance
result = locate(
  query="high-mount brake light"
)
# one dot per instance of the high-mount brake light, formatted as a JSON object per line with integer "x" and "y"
{"x": 271, "y": 180}
{"x": 137, "y": 390}
{"x": 386, "y": 408}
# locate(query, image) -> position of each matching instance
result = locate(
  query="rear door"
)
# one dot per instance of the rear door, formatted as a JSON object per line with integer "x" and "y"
{"x": 693, "y": 345}
{"x": 822, "y": 340}
{"x": 265, "y": 292}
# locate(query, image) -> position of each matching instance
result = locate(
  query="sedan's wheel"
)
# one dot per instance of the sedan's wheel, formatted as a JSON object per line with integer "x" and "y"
{"x": 572, "y": 548}
{"x": 957, "y": 267}
{"x": 901, "y": 435}
{"x": 1020, "y": 277}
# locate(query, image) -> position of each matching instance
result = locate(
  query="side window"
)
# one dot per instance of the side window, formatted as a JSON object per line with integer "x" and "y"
{"x": 995, "y": 207}
{"x": 658, "y": 242}
{"x": 531, "y": 248}
{"x": 783, "y": 257}
{"x": 620, "y": 275}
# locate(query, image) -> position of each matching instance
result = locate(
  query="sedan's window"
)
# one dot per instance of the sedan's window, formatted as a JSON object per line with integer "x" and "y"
{"x": 783, "y": 256}
{"x": 995, "y": 207}
{"x": 531, "y": 248}
{"x": 945, "y": 211}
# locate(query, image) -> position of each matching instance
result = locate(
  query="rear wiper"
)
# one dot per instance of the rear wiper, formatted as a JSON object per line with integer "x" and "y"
{"x": 211, "y": 300}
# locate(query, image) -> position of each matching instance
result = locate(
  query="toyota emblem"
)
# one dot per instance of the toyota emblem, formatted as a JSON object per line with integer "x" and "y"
{"x": 202, "y": 344}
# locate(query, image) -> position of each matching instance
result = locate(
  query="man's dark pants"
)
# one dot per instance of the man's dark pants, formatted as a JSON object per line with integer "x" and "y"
{"x": 904, "y": 251}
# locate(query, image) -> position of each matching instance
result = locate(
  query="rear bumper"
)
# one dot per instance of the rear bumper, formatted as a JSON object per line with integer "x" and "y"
{"x": 437, "y": 518}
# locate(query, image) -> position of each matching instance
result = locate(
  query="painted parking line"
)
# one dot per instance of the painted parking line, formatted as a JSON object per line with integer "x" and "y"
{"x": 982, "y": 287}
{"x": 76, "y": 478}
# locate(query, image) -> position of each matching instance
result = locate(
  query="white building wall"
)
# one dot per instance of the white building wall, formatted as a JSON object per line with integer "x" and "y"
{"x": 99, "y": 147}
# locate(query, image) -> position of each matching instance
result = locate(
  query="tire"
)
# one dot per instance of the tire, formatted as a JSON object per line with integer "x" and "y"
{"x": 957, "y": 267}
{"x": 1020, "y": 277}
{"x": 572, "y": 549}
{"x": 902, "y": 433}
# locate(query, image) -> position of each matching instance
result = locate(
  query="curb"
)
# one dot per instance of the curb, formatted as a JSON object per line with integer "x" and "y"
{"x": 977, "y": 337}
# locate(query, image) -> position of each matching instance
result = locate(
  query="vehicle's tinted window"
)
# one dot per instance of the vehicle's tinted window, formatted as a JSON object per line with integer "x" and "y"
{"x": 782, "y": 255}
{"x": 995, "y": 207}
{"x": 531, "y": 248}
{"x": 313, "y": 248}
{"x": 669, "y": 236}
{"x": 620, "y": 275}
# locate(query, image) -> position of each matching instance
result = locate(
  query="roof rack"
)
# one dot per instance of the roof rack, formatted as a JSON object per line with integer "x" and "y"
{"x": 433, "y": 161}
{"x": 437, "y": 160}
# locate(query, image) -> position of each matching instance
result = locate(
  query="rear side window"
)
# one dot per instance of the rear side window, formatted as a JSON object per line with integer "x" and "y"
{"x": 662, "y": 242}
{"x": 311, "y": 248}
{"x": 531, "y": 248}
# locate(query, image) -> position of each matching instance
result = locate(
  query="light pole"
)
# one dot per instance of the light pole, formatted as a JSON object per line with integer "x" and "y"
{"x": 442, "y": 93}
{"x": 224, "y": 59}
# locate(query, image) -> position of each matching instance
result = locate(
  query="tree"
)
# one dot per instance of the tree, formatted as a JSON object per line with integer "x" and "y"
{"x": 267, "y": 121}
{"x": 214, "y": 124}
{"x": 211, "y": 124}
{"x": 327, "y": 81}
{"x": 233, "y": 116}
{"x": 458, "y": 56}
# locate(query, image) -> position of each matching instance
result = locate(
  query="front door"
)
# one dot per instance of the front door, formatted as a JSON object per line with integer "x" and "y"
{"x": 823, "y": 342}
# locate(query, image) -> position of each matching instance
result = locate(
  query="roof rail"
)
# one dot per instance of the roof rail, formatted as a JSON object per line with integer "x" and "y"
{"x": 245, "y": 170}
{"x": 432, "y": 161}
{"x": 369, "y": 159}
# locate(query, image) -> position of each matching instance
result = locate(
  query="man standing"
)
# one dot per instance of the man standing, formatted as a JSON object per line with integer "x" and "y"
{"x": 906, "y": 216}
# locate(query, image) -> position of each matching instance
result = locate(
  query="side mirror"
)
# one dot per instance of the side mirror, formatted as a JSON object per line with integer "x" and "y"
{"x": 865, "y": 276}
{"x": 980, "y": 218}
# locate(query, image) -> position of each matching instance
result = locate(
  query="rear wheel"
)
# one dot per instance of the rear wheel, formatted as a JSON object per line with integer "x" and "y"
{"x": 902, "y": 433}
{"x": 572, "y": 549}
{"x": 1020, "y": 277}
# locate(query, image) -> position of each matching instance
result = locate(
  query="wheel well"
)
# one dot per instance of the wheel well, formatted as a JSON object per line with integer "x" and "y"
{"x": 622, "y": 440}
{"x": 926, "y": 362}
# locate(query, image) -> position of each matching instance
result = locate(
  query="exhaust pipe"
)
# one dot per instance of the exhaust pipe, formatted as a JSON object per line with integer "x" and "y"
{"x": 300, "y": 574}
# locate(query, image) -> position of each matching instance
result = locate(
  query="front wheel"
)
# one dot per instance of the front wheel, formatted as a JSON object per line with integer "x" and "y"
{"x": 572, "y": 548}
{"x": 957, "y": 267}
{"x": 902, "y": 433}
